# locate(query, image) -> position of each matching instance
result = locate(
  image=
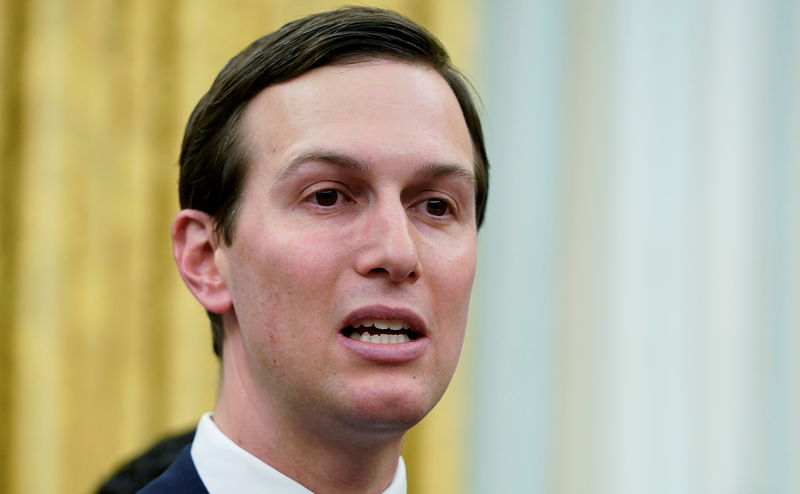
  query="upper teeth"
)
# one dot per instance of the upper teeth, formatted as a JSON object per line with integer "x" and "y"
{"x": 391, "y": 324}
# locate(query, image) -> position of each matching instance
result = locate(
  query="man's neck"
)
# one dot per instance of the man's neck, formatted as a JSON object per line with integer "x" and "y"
{"x": 323, "y": 457}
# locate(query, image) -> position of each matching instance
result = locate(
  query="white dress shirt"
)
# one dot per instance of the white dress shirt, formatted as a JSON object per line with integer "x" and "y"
{"x": 224, "y": 467}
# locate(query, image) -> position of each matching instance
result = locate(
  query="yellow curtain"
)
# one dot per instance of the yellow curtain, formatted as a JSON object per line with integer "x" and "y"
{"x": 103, "y": 349}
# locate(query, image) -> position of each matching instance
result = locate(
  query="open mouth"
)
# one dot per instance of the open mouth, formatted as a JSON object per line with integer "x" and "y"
{"x": 381, "y": 331}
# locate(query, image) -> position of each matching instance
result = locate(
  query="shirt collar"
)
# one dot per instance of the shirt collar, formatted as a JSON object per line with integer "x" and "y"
{"x": 224, "y": 467}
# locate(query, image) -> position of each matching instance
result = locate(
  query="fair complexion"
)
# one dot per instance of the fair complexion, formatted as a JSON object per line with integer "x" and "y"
{"x": 357, "y": 214}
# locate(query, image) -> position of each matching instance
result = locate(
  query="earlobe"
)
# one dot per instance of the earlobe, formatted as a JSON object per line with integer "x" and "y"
{"x": 194, "y": 246}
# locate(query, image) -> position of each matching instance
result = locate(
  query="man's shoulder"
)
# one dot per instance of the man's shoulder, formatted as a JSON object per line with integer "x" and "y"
{"x": 180, "y": 478}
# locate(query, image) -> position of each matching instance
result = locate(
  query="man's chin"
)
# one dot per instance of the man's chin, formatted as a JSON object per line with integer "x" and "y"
{"x": 389, "y": 413}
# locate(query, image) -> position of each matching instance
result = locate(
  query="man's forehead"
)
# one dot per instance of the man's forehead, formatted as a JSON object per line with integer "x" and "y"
{"x": 318, "y": 86}
{"x": 373, "y": 99}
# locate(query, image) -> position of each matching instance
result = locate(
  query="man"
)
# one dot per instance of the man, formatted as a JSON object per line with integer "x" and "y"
{"x": 332, "y": 182}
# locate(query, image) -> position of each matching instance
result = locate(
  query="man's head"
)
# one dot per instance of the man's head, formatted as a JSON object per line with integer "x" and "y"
{"x": 333, "y": 181}
{"x": 215, "y": 162}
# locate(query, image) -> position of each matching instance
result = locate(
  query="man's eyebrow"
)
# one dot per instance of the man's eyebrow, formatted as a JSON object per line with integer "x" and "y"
{"x": 446, "y": 170}
{"x": 432, "y": 169}
{"x": 338, "y": 159}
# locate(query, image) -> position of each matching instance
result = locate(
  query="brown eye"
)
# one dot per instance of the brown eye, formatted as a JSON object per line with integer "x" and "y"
{"x": 436, "y": 207}
{"x": 327, "y": 197}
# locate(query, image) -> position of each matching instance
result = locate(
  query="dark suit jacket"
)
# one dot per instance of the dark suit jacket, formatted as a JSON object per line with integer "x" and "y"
{"x": 180, "y": 478}
{"x": 145, "y": 467}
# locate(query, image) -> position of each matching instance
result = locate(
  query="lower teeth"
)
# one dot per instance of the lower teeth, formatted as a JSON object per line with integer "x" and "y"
{"x": 381, "y": 338}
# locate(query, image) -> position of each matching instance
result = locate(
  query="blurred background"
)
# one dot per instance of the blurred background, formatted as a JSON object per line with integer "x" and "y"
{"x": 635, "y": 324}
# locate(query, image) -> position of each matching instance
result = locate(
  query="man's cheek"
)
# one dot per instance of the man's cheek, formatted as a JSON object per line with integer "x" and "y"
{"x": 311, "y": 271}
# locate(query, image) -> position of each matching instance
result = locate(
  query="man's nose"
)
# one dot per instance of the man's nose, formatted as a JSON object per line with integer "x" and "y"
{"x": 388, "y": 244}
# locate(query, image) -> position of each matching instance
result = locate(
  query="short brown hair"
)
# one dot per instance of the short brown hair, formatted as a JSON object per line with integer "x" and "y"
{"x": 213, "y": 163}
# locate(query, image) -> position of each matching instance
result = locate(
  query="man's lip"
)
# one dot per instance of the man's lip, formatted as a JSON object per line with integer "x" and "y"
{"x": 389, "y": 353}
{"x": 383, "y": 312}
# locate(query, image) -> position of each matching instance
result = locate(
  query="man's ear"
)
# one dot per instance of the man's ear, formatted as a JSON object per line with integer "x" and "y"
{"x": 194, "y": 244}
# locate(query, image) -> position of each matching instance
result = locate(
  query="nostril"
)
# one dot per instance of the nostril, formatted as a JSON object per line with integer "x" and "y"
{"x": 412, "y": 275}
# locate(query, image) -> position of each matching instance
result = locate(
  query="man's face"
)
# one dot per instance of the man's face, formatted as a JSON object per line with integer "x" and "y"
{"x": 358, "y": 212}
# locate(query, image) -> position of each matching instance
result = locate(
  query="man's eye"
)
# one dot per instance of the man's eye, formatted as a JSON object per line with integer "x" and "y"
{"x": 326, "y": 197}
{"x": 437, "y": 207}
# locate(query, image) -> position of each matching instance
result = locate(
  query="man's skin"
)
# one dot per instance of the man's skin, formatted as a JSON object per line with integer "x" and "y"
{"x": 359, "y": 204}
